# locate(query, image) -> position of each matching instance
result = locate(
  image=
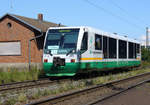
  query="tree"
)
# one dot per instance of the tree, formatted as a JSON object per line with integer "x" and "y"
{"x": 145, "y": 54}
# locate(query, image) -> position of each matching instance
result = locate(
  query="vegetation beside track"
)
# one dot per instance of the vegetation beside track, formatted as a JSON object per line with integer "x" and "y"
{"x": 145, "y": 54}
{"x": 15, "y": 75}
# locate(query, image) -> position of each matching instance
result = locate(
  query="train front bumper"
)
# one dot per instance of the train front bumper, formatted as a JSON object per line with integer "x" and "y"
{"x": 70, "y": 69}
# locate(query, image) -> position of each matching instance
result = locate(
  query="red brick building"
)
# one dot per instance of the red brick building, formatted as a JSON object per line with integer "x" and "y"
{"x": 15, "y": 33}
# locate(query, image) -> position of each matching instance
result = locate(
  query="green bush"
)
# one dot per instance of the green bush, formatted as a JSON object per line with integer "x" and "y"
{"x": 15, "y": 75}
{"x": 145, "y": 54}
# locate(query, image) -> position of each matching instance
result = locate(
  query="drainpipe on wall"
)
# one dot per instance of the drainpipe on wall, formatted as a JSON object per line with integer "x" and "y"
{"x": 29, "y": 43}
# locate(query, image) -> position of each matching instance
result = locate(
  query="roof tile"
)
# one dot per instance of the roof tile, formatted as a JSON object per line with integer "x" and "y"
{"x": 43, "y": 25}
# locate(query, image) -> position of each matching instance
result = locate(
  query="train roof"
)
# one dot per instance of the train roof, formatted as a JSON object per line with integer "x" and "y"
{"x": 97, "y": 31}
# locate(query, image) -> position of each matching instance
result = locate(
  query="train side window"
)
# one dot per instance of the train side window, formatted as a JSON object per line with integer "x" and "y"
{"x": 84, "y": 45}
{"x": 131, "y": 50}
{"x": 105, "y": 46}
{"x": 137, "y": 48}
{"x": 122, "y": 49}
{"x": 134, "y": 50}
{"x": 112, "y": 48}
{"x": 98, "y": 42}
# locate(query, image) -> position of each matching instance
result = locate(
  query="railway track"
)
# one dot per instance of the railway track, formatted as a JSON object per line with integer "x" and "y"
{"x": 27, "y": 84}
{"x": 95, "y": 94}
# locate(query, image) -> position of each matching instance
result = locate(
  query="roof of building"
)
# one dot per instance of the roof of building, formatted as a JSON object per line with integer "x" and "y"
{"x": 36, "y": 24}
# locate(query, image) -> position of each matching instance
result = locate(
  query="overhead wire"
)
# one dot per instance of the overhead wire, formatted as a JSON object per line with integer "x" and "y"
{"x": 127, "y": 13}
{"x": 112, "y": 14}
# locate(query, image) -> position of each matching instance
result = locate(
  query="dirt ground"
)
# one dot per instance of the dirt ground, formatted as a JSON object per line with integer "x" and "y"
{"x": 137, "y": 96}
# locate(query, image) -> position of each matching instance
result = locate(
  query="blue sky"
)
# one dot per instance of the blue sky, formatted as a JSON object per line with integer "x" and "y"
{"x": 125, "y": 17}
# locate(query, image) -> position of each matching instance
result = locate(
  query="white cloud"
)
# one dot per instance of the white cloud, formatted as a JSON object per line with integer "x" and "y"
{"x": 142, "y": 39}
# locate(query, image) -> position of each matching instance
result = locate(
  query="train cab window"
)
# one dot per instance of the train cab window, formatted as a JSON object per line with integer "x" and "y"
{"x": 84, "y": 45}
{"x": 131, "y": 50}
{"x": 105, "y": 46}
{"x": 122, "y": 49}
{"x": 98, "y": 42}
{"x": 112, "y": 48}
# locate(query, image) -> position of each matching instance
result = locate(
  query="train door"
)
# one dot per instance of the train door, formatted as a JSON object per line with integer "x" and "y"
{"x": 87, "y": 51}
{"x": 105, "y": 51}
{"x": 84, "y": 51}
{"x": 97, "y": 52}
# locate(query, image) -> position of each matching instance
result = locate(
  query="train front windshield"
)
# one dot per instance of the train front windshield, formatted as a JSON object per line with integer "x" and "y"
{"x": 61, "y": 41}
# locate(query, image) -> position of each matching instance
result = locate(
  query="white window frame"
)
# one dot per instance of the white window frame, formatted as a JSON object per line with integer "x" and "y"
{"x": 10, "y": 48}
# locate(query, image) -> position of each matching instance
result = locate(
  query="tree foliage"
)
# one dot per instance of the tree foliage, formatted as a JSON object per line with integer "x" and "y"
{"x": 145, "y": 54}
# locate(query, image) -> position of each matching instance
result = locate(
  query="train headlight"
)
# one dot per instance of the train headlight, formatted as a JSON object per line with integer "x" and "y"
{"x": 45, "y": 60}
{"x": 73, "y": 60}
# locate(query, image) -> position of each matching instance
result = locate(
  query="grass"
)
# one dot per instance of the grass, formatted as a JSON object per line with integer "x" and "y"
{"x": 15, "y": 75}
{"x": 22, "y": 97}
{"x": 145, "y": 63}
{"x": 10, "y": 101}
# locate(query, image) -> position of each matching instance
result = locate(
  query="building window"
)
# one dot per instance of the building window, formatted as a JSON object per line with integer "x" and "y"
{"x": 9, "y": 25}
{"x": 10, "y": 48}
{"x": 98, "y": 42}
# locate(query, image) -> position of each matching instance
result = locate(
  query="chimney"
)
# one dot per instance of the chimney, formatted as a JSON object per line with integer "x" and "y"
{"x": 147, "y": 37}
{"x": 59, "y": 24}
{"x": 40, "y": 17}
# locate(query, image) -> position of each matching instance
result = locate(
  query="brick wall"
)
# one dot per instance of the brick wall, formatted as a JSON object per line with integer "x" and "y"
{"x": 22, "y": 33}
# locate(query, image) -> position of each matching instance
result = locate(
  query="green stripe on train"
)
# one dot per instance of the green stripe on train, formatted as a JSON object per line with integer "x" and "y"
{"x": 70, "y": 69}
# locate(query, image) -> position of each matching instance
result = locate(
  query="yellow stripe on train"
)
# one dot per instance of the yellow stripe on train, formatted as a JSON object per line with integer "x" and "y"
{"x": 91, "y": 58}
{"x": 138, "y": 59}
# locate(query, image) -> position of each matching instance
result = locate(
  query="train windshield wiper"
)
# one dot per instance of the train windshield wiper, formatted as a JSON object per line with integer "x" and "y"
{"x": 70, "y": 52}
{"x": 49, "y": 52}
